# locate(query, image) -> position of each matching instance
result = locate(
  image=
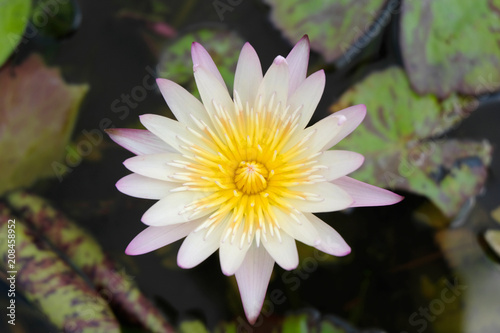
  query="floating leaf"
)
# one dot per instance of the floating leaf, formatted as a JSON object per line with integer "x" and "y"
{"x": 14, "y": 16}
{"x": 493, "y": 239}
{"x": 192, "y": 326}
{"x": 495, "y": 214}
{"x": 224, "y": 47}
{"x": 86, "y": 254}
{"x": 37, "y": 113}
{"x": 332, "y": 25}
{"x": 452, "y": 46}
{"x": 51, "y": 284}
{"x": 396, "y": 140}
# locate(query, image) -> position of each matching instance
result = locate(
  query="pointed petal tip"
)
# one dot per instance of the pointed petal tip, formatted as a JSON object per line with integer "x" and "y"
{"x": 361, "y": 110}
{"x": 345, "y": 251}
{"x": 195, "y": 46}
{"x": 252, "y": 318}
{"x": 305, "y": 39}
{"x": 279, "y": 60}
{"x": 131, "y": 249}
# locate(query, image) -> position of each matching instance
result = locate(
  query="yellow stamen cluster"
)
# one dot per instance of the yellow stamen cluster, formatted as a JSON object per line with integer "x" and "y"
{"x": 244, "y": 164}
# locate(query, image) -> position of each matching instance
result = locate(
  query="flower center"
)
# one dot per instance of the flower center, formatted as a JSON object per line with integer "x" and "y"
{"x": 251, "y": 177}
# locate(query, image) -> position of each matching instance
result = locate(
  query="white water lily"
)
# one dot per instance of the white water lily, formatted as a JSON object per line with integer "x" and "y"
{"x": 243, "y": 174}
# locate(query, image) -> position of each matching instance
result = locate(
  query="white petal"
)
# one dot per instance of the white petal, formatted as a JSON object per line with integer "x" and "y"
{"x": 253, "y": 278}
{"x": 171, "y": 209}
{"x": 165, "y": 128}
{"x": 325, "y": 197}
{"x": 153, "y": 238}
{"x": 212, "y": 91}
{"x": 154, "y": 166}
{"x": 248, "y": 74}
{"x": 308, "y": 95}
{"x": 354, "y": 116}
{"x": 331, "y": 242}
{"x": 365, "y": 194}
{"x": 198, "y": 246}
{"x": 339, "y": 163}
{"x": 182, "y": 104}
{"x": 233, "y": 250}
{"x": 298, "y": 60}
{"x": 202, "y": 58}
{"x": 325, "y": 131}
{"x": 282, "y": 249}
{"x": 138, "y": 141}
{"x": 274, "y": 84}
{"x": 302, "y": 230}
{"x": 139, "y": 186}
{"x": 317, "y": 136}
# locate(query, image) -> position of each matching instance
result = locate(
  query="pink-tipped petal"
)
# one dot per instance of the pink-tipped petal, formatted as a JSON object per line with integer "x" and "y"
{"x": 365, "y": 195}
{"x": 274, "y": 85}
{"x": 139, "y": 142}
{"x": 198, "y": 246}
{"x": 307, "y": 96}
{"x": 182, "y": 104}
{"x": 202, "y": 58}
{"x": 282, "y": 248}
{"x": 354, "y": 116}
{"x": 144, "y": 187}
{"x": 153, "y": 238}
{"x": 339, "y": 163}
{"x": 248, "y": 74}
{"x": 253, "y": 278}
{"x": 171, "y": 210}
{"x": 298, "y": 60}
{"x": 324, "y": 197}
{"x": 331, "y": 242}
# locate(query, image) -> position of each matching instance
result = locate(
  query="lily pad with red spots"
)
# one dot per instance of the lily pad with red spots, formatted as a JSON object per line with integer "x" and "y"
{"x": 396, "y": 139}
{"x": 333, "y": 26}
{"x": 451, "y": 46}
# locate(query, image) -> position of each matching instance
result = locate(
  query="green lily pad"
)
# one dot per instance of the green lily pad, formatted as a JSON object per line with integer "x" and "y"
{"x": 451, "y": 46}
{"x": 14, "y": 15}
{"x": 37, "y": 113}
{"x": 333, "y": 26}
{"x": 224, "y": 47}
{"x": 493, "y": 239}
{"x": 396, "y": 140}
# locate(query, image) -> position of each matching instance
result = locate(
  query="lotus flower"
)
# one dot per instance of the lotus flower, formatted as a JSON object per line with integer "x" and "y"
{"x": 244, "y": 174}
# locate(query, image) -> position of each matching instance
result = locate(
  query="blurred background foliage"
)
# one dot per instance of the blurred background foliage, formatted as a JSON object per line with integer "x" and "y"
{"x": 429, "y": 73}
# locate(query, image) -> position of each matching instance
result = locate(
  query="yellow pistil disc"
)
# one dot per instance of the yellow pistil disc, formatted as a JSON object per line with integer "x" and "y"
{"x": 251, "y": 177}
